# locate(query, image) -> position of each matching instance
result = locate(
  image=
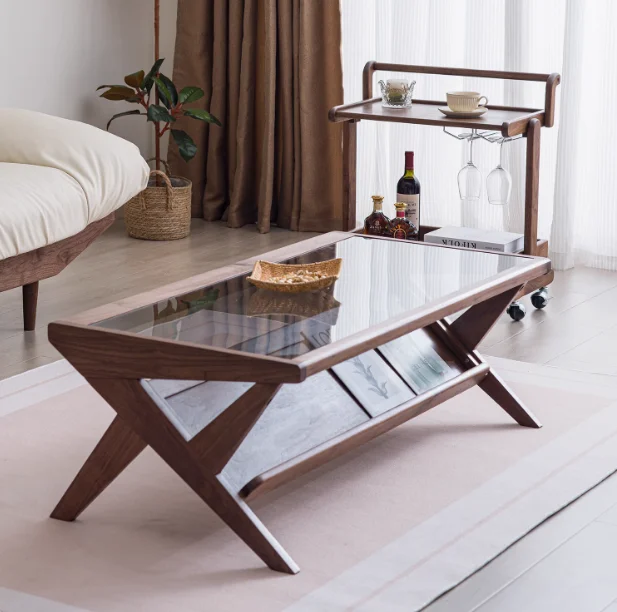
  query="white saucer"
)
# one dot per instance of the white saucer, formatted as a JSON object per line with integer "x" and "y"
{"x": 462, "y": 115}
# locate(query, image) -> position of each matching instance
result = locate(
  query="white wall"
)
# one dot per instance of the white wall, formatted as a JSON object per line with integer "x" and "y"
{"x": 54, "y": 53}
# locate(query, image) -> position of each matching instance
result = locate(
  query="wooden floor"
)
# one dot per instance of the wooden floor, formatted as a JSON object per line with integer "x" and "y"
{"x": 568, "y": 564}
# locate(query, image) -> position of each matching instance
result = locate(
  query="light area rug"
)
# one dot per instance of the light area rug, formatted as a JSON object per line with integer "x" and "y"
{"x": 390, "y": 526}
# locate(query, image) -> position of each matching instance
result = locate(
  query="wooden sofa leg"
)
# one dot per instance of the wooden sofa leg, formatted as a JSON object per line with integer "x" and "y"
{"x": 30, "y": 294}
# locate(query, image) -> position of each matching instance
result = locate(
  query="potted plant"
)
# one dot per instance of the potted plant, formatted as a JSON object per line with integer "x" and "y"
{"x": 161, "y": 211}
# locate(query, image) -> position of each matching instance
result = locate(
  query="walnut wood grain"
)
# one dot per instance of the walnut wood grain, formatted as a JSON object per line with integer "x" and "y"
{"x": 118, "y": 447}
{"x": 510, "y": 126}
{"x": 334, "y": 116}
{"x": 27, "y": 269}
{"x": 504, "y": 119}
{"x": 113, "y": 353}
{"x": 550, "y": 98}
{"x": 217, "y": 443}
{"x": 362, "y": 433}
{"x": 215, "y": 459}
{"x": 532, "y": 185}
{"x": 349, "y": 175}
{"x": 473, "y": 325}
{"x": 30, "y": 294}
{"x": 443, "y": 330}
{"x": 372, "y": 66}
{"x": 133, "y": 404}
{"x": 298, "y": 419}
{"x": 367, "y": 80}
{"x": 325, "y": 357}
{"x": 103, "y": 353}
{"x": 48, "y": 260}
{"x": 497, "y": 389}
{"x": 491, "y": 384}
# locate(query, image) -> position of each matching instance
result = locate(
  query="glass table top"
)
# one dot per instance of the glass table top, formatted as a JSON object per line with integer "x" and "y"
{"x": 380, "y": 279}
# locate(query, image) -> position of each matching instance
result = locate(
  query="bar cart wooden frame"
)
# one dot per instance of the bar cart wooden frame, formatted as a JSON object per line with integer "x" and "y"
{"x": 508, "y": 120}
{"x": 120, "y": 366}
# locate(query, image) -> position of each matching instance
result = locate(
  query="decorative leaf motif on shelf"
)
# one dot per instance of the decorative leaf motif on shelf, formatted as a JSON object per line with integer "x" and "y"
{"x": 366, "y": 372}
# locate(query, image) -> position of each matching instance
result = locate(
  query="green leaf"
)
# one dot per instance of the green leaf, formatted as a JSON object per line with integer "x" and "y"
{"x": 105, "y": 86}
{"x": 118, "y": 92}
{"x": 158, "y": 113}
{"x": 185, "y": 143}
{"x": 202, "y": 115}
{"x": 171, "y": 88}
{"x": 149, "y": 78}
{"x": 190, "y": 94}
{"x": 124, "y": 114}
{"x": 167, "y": 91}
{"x": 135, "y": 79}
{"x": 165, "y": 94}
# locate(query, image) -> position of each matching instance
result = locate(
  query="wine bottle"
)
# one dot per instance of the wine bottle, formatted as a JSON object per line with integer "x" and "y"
{"x": 408, "y": 191}
{"x": 377, "y": 224}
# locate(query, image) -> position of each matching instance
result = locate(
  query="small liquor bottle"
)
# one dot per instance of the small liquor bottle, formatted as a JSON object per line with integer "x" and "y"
{"x": 401, "y": 227}
{"x": 377, "y": 224}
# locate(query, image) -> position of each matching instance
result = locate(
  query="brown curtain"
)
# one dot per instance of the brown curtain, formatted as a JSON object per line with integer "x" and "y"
{"x": 271, "y": 70}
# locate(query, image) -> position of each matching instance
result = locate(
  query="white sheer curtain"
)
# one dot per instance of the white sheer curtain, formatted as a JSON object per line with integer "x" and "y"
{"x": 578, "y": 175}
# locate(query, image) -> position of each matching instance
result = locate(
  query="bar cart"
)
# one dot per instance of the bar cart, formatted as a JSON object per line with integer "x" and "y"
{"x": 499, "y": 122}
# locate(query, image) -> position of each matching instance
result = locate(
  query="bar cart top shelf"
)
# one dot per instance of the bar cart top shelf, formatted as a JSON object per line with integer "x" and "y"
{"x": 509, "y": 120}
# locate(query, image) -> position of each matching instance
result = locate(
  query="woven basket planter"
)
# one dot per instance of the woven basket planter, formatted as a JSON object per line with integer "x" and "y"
{"x": 160, "y": 212}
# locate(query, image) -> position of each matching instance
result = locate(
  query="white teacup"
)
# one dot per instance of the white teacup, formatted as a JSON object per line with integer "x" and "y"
{"x": 465, "y": 101}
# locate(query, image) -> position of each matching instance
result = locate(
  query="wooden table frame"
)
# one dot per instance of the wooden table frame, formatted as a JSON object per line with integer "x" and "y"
{"x": 115, "y": 364}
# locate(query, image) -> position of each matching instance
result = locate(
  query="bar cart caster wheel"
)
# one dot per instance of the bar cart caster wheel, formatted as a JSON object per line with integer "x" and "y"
{"x": 539, "y": 298}
{"x": 516, "y": 310}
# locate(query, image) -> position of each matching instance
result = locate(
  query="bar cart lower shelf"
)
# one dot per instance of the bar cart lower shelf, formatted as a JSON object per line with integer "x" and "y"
{"x": 509, "y": 121}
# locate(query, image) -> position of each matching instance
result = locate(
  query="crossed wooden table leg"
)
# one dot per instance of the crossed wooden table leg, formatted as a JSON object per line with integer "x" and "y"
{"x": 200, "y": 461}
{"x": 465, "y": 334}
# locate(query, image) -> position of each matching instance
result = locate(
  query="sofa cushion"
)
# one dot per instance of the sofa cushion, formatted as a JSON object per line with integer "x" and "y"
{"x": 38, "y": 206}
{"x": 98, "y": 173}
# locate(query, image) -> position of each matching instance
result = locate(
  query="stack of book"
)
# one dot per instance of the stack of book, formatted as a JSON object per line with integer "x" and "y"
{"x": 481, "y": 240}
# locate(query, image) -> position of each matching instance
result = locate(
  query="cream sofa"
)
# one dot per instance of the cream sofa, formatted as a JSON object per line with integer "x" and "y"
{"x": 60, "y": 183}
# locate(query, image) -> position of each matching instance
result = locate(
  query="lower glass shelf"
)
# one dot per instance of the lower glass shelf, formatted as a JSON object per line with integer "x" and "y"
{"x": 305, "y": 416}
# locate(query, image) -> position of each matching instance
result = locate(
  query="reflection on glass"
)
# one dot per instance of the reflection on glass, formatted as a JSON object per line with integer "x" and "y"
{"x": 379, "y": 280}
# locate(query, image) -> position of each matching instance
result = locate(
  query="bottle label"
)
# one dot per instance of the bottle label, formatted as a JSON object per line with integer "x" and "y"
{"x": 399, "y": 233}
{"x": 413, "y": 207}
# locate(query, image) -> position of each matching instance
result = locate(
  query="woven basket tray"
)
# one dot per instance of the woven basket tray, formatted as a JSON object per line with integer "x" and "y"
{"x": 160, "y": 212}
{"x": 268, "y": 275}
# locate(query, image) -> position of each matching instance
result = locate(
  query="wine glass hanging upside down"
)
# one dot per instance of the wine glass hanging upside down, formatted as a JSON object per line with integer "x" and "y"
{"x": 469, "y": 178}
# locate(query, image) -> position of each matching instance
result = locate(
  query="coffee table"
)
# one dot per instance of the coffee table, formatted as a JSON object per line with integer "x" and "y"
{"x": 240, "y": 390}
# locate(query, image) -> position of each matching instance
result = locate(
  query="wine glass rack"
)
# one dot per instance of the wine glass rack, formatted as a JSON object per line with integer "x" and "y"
{"x": 492, "y": 137}
{"x": 498, "y": 124}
